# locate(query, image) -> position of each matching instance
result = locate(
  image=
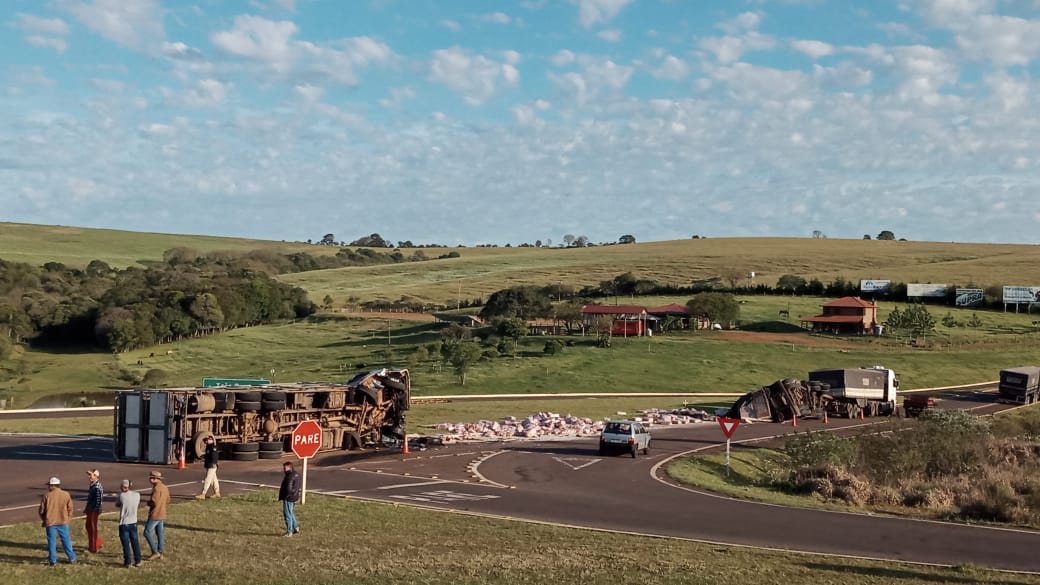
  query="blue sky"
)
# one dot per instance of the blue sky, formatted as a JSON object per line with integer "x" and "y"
{"x": 472, "y": 122}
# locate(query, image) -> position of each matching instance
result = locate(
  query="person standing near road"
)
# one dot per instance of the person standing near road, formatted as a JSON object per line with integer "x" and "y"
{"x": 156, "y": 523}
{"x": 210, "y": 462}
{"x": 55, "y": 511}
{"x": 128, "y": 503}
{"x": 95, "y": 495}
{"x": 288, "y": 495}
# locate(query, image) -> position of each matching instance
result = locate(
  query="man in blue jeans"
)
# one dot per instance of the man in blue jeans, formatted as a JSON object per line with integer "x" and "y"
{"x": 289, "y": 494}
{"x": 128, "y": 503}
{"x": 156, "y": 523}
{"x": 55, "y": 512}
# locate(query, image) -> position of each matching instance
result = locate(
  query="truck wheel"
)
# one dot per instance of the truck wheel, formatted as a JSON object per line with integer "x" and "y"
{"x": 272, "y": 446}
{"x": 245, "y": 448}
{"x": 246, "y": 406}
{"x": 253, "y": 456}
{"x": 272, "y": 405}
{"x": 198, "y": 443}
{"x": 270, "y": 454}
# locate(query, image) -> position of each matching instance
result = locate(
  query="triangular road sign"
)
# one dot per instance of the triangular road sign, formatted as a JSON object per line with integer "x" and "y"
{"x": 728, "y": 425}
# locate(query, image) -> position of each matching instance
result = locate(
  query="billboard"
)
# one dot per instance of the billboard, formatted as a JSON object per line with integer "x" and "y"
{"x": 1022, "y": 294}
{"x": 969, "y": 297}
{"x": 875, "y": 286}
{"x": 926, "y": 290}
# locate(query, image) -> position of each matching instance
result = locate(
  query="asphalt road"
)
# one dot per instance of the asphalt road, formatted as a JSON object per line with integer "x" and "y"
{"x": 564, "y": 482}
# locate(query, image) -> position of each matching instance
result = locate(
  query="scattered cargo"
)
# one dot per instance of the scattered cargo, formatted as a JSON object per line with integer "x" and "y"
{"x": 1019, "y": 385}
{"x": 915, "y": 404}
{"x": 848, "y": 392}
{"x": 254, "y": 422}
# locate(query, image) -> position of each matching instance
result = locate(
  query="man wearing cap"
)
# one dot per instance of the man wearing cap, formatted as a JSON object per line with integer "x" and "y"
{"x": 157, "y": 516}
{"x": 211, "y": 463}
{"x": 95, "y": 493}
{"x": 128, "y": 503}
{"x": 55, "y": 511}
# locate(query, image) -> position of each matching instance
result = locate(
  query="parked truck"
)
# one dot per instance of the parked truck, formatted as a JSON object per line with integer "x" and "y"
{"x": 845, "y": 392}
{"x": 1019, "y": 385}
{"x": 255, "y": 422}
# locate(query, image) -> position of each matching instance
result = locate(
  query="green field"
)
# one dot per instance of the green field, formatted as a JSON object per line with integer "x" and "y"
{"x": 237, "y": 541}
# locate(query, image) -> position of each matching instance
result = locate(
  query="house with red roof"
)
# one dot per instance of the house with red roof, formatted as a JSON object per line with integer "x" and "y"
{"x": 625, "y": 319}
{"x": 847, "y": 315}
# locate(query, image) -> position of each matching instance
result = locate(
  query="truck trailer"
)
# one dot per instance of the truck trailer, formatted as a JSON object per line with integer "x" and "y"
{"x": 847, "y": 392}
{"x": 164, "y": 426}
{"x": 1019, "y": 385}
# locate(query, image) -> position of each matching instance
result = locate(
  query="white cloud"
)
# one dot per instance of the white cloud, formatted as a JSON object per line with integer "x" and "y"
{"x": 742, "y": 23}
{"x": 398, "y": 95}
{"x": 182, "y": 51}
{"x": 109, "y": 85}
{"x": 40, "y": 26}
{"x": 730, "y": 49}
{"x": 310, "y": 94}
{"x": 205, "y": 93}
{"x": 55, "y": 43}
{"x": 527, "y": 114}
{"x": 612, "y": 35}
{"x": 259, "y": 39}
{"x": 475, "y": 77}
{"x": 814, "y": 49}
{"x": 947, "y": 12}
{"x": 289, "y": 5}
{"x": 496, "y": 18}
{"x": 595, "y": 79}
{"x": 672, "y": 68}
{"x": 132, "y": 24}
{"x": 1003, "y": 40}
{"x": 591, "y": 12}
{"x": 563, "y": 58}
{"x": 450, "y": 25}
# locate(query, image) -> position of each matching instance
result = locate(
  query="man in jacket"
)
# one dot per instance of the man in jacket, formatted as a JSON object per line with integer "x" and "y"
{"x": 209, "y": 461}
{"x": 288, "y": 495}
{"x": 95, "y": 494}
{"x": 128, "y": 503}
{"x": 55, "y": 511}
{"x": 155, "y": 526}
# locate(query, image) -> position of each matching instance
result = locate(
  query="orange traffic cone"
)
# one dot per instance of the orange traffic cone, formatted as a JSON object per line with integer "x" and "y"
{"x": 825, "y": 419}
{"x": 861, "y": 414}
{"x": 180, "y": 461}
{"x": 794, "y": 420}
{"x": 404, "y": 445}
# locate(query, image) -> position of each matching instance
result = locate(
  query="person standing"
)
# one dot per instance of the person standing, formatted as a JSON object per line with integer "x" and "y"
{"x": 95, "y": 495}
{"x": 128, "y": 503}
{"x": 288, "y": 495}
{"x": 55, "y": 511}
{"x": 210, "y": 462}
{"x": 156, "y": 522}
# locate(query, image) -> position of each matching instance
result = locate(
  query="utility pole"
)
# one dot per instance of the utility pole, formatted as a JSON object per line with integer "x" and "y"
{"x": 389, "y": 350}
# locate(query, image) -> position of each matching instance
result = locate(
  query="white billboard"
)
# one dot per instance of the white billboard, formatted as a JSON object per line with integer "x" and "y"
{"x": 1022, "y": 294}
{"x": 875, "y": 286}
{"x": 926, "y": 290}
{"x": 969, "y": 297}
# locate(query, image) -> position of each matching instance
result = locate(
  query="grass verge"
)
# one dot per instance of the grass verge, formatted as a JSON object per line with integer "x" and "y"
{"x": 237, "y": 541}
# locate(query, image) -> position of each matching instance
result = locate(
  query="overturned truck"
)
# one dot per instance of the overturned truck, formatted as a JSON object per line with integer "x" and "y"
{"x": 256, "y": 422}
{"x": 848, "y": 392}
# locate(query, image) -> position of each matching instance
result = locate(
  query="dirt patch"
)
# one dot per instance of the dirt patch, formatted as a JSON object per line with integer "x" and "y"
{"x": 796, "y": 338}
{"x": 425, "y": 317}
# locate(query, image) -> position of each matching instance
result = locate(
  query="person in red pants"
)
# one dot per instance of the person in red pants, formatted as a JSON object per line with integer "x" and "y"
{"x": 95, "y": 494}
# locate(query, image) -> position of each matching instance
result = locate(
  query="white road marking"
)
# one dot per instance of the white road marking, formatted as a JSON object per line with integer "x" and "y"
{"x": 445, "y": 497}
{"x": 19, "y": 508}
{"x": 338, "y": 492}
{"x": 585, "y": 462}
{"x": 404, "y": 485}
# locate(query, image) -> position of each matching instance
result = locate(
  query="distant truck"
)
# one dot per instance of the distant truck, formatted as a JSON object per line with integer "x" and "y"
{"x": 256, "y": 422}
{"x": 847, "y": 392}
{"x": 1020, "y": 385}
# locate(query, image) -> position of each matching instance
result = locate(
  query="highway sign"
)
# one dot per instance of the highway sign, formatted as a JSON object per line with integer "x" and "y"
{"x": 728, "y": 425}
{"x": 217, "y": 382}
{"x": 306, "y": 439}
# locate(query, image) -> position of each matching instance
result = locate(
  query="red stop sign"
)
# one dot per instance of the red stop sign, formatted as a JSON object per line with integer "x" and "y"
{"x": 306, "y": 439}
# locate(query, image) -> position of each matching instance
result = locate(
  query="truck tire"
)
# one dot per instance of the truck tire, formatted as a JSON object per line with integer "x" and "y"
{"x": 245, "y": 448}
{"x": 198, "y": 443}
{"x": 246, "y": 406}
{"x": 245, "y": 456}
{"x": 249, "y": 396}
{"x": 224, "y": 401}
{"x": 272, "y": 405}
{"x": 272, "y": 446}
{"x": 270, "y": 454}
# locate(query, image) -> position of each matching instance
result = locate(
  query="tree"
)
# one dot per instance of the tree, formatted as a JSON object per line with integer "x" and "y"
{"x": 627, "y": 239}
{"x": 732, "y": 275}
{"x": 817, "y": 234}
{"x": 154, "y": 378}
{"x": 568, "y": 240}
{"x": 513, "y": 329}
{"x": 523, "y": 302}
{"x": 715, "y": 307}
{"x": 581, "y": 241}
{"x": 326, "y": 303}
{"x": 462, "y": 356}
{"x": 569, "y": 313}
{"x": 886, "y": 235}
{"x": 328, "y": 240}
{"x": 866, "y": 236}
{"x": 789, "y": 283}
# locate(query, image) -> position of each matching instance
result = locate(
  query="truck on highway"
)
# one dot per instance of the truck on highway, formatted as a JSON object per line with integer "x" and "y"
{"x": 1019, "y": 385}
{"x": 847, "y": 392}
{"x": 166, "y": 426}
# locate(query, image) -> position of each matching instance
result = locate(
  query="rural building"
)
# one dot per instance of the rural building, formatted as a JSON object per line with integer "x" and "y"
{"x": 625, "y": 319}
{"x": 465, "y": 320}
{"x": 546, "y": 327}
{"x": 674, "y": 310}
{"x": 847, "y": 315}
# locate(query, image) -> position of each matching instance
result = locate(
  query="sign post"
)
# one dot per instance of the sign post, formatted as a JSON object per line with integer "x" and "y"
{"x": 728, "y": 426}
{"x": 306, "y": 441}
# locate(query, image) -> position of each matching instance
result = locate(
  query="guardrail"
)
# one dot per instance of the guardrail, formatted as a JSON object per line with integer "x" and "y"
{"x": 98, "y": 410}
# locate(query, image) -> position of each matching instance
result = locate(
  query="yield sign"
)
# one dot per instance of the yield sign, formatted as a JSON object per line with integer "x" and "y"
{"x": 728, "y": 425}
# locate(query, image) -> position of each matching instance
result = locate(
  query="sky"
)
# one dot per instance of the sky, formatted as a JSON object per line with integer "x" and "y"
{"x": 492, "y": 122}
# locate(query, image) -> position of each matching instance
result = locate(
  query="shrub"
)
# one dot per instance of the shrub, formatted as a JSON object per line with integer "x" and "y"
{"x": 818, "y": 449}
